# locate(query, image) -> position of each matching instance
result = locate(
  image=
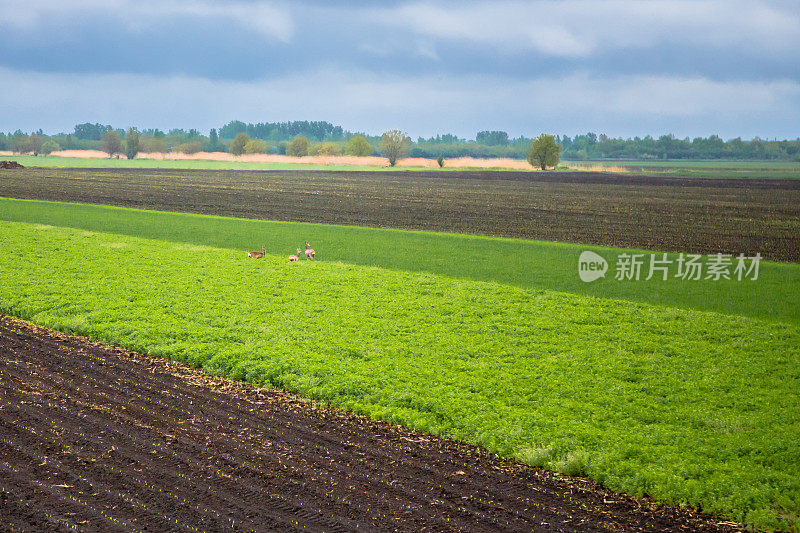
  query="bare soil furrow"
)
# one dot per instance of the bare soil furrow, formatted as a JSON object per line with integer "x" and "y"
{"x": 371, "y": 463}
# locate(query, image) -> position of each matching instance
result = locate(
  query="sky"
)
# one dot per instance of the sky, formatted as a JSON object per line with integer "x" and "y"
{"x": 621, "y": 67}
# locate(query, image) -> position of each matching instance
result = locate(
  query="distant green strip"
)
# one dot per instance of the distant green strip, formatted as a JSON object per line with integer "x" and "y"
{"x": 519, "y": 262}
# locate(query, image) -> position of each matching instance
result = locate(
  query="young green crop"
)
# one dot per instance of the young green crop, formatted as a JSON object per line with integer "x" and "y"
{"x": 520, "y": 262}
{"x": 686, "y": 406}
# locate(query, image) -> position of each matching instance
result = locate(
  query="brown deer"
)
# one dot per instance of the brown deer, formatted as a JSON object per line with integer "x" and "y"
{"x": 258, "y": 255}
{"x": 295, "y": 257}
{"x": 309, "y": 252}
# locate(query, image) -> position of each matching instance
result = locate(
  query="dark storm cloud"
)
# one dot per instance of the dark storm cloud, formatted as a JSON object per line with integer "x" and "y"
{"x": 736, "y": 52}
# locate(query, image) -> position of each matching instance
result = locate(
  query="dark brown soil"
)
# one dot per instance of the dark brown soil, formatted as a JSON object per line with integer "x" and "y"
{"x": 100, "y": 439}
{"x": 679, "y": 214}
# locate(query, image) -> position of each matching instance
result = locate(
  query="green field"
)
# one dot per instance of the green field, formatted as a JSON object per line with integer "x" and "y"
{"x": 493, "y": 341}
{"x": 523, "y": 263}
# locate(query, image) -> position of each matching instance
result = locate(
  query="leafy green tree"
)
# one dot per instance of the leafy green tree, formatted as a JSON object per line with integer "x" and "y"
{"x": 395, "y": 145}
{"x": 238, "y": 144}
{"x": 440, "y": 160}
{"x": 35, "y": 143}
{"x": 49, "y": 146}
{"x": 112, "y": 143}
{"x": 131, "y": 143}
{"x": 358, "y": 146}
{"x": 544, "y": 152}
{"x": 255, "y": 146}
{"x": 298, "y": 147}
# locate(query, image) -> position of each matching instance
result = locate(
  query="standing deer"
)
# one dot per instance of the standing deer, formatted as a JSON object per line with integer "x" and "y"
{"x": 309, "y": 252}
{"x": 258, "y": 255}
{"x": 295, "y": 257}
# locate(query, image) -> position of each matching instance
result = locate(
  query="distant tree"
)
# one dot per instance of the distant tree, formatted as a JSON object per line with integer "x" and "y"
{"x": 213, "y": 141}
{"x": 440, "y": 160}
{"x": 131, "y": 143}
{"x": 68, "y": 142}
{"x": 19, "y": 142}
{"x": 238, "y": 144}
{"x": 544, "y": 152}
{"x": 112, "y": 143}
{"x": 232, "y": 129}
{"x": 298, "y": 147}
{"x": 326, "y": 148}
{"x": 255, "y": 146}
{"x": 35, "y": 143}
{"x": 492, "y": 138}
{"x": 358, "y": 146}
{"x": 91, "y": 132}
{"x": 154, "y": 144}
{"x": 191, "y": 147}
{"x": 49, "y": 146}
{"x": 395, "y": 145}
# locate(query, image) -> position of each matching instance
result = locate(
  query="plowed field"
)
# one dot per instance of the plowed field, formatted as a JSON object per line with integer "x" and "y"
{"x": 99, "y": 439}
{"x": 700, "y": 215}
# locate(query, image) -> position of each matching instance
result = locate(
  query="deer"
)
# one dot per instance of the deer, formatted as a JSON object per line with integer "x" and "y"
{"x": 309, "y": 252}
{"x": 258, "y": 255}
{"x": 295, "y": 257}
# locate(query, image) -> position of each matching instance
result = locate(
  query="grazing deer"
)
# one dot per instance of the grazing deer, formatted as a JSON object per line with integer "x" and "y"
{"x": 258, "y": 255}
{"x": 309, "y": 252}
{"x": 295, "y": 257}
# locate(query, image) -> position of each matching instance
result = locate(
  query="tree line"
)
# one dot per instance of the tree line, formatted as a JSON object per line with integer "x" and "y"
{"x": 324, "y": 138}
{"x": 284, "y": 131}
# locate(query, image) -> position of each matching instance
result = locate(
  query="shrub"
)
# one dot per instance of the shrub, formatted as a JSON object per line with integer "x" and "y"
{"x": 238, "y": 144}
{"x": 255, "y": 146}
{"x": 326, "y": 148}
{"x": 153, "y": 145}
{"x": 191, "y": 147}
